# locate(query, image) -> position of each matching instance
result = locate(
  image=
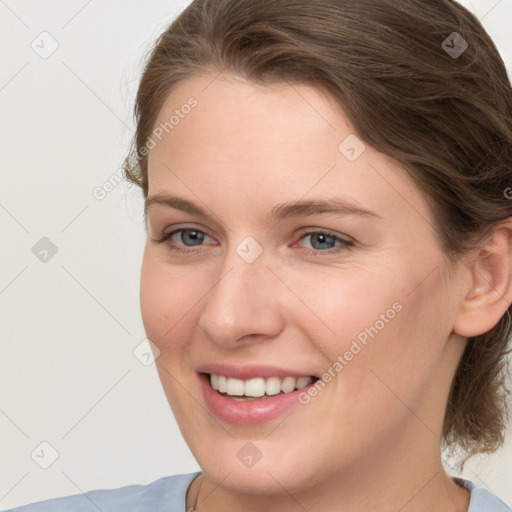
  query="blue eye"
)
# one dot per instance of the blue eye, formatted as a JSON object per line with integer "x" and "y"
{"x": 322, "y": 242}
{"x": 194, "y": 236}
{"x": 325, "y": 243}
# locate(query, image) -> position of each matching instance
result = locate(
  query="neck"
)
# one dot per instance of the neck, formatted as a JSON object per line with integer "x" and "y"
{"x": 403, "y": 480}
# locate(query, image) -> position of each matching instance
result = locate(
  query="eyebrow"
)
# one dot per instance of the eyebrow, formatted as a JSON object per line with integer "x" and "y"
{"x": 303, "y": 208}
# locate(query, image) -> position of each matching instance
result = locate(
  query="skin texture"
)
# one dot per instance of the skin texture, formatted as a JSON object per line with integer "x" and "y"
{"x": 370, "y": 440}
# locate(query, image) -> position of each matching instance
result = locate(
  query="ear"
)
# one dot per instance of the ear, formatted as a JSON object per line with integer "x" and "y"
{"x": 489, "y": 290}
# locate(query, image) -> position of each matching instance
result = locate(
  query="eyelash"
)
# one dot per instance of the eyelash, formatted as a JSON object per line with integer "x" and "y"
{"x": 344, "y": 244}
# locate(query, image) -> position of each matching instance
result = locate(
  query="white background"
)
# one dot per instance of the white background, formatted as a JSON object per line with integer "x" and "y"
{"x": 68, "y": 327}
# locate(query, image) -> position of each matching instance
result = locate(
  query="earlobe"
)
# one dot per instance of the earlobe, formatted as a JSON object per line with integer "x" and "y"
{"x": 490, "y": 291}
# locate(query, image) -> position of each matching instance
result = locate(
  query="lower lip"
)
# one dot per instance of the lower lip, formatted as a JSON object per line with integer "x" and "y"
{"x": 247, "y": 412}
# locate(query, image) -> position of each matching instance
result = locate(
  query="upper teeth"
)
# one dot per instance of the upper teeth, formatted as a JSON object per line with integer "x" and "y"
{"x": 258, "y": 386}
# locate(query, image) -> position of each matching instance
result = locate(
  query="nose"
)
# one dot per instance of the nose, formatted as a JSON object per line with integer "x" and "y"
{"x": 243, "y": 304}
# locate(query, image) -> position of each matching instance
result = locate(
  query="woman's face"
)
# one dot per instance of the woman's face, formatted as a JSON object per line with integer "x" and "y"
{"x": 301, "y": 253}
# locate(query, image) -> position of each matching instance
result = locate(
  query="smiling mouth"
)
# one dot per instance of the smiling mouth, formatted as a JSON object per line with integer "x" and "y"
{"x": 257, "y": 388}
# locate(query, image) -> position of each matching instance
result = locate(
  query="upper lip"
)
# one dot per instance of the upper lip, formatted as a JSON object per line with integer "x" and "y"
{"x": 245, "y": 372}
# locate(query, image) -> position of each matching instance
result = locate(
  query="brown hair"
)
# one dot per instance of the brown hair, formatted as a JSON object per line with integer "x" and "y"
{"x": 446, "y": 118}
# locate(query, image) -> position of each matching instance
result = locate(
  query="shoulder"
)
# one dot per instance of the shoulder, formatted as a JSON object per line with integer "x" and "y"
{"x": 165, "y": 494}
{"x": 483, "y": 500}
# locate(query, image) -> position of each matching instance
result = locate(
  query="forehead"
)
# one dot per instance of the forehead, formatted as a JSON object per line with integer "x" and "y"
{"x": 278, "y": 142}
{"x": 244, "y": 115}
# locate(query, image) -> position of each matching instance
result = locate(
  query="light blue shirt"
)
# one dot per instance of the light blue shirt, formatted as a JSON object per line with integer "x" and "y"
{"x": 168, "y": 495}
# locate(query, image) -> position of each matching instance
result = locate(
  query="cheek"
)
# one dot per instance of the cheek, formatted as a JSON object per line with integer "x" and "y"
{"x": 168, "y": 298}
{"x": 347, "y": 305}
{"x": 394, "y": 355}
{"x": 379, "y": 325}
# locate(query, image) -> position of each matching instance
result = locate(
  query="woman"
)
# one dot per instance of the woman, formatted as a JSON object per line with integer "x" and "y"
{"x": 327, "y": 277}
